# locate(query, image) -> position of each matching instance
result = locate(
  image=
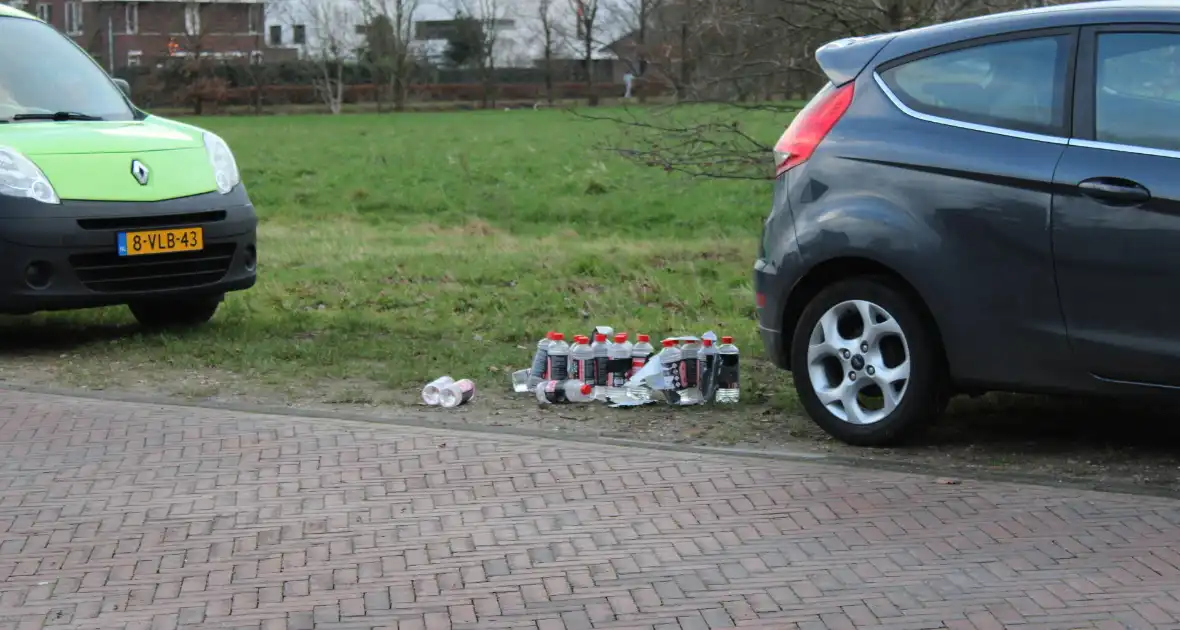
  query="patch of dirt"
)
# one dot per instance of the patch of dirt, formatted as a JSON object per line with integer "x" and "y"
{"x": 1105, "y": 444}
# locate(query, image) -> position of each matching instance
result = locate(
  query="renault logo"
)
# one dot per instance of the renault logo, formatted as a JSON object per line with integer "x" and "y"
{"x": 140, "y": 172}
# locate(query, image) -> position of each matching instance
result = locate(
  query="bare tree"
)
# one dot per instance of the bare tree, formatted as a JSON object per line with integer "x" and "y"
{"x": 753, "y": 54}
{"x": 636, "y": 16}
{"x": 333, "y": 40}
{"x": 389, "y": 31}
{"x": 489, "y": 16}
{"x": 586, "y": 12}
{"x": 549, "y": 31}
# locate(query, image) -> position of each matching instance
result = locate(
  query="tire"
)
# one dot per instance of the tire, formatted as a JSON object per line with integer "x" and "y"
{"x": 187, "y": 312}
{"x": 918, "y": 399}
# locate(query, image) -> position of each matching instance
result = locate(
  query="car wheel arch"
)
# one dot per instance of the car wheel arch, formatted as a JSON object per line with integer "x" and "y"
{"x": 833, "y": 270}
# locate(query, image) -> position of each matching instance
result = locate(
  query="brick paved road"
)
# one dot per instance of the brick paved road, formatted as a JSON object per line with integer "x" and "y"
{"x": 117, "y": 515}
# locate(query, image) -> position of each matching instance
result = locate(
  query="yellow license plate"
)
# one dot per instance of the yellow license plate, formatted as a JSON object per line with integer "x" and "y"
{"x": 161, "y": 241}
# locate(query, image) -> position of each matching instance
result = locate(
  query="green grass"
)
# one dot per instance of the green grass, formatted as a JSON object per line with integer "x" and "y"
{"x": 395, "y": 248}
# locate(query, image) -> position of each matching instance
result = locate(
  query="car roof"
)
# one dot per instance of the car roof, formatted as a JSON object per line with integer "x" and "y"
{"x": 7, "y": 11}
{"x": 1064, "y": 15}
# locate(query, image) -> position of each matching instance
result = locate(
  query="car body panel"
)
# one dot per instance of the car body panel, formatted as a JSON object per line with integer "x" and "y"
{"x": 969, "y": 230}
{"x": 1118, "y": 274}
{"x": 108, "y": 177}
{"x": 35, "y": 138}
{"x": 7, "y": 11}
{"x": 1065, "y": 15}
{"x": 843, "y": 59}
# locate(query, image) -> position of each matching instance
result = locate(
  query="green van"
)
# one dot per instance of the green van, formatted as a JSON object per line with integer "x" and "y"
{"x": 102, "y": 204}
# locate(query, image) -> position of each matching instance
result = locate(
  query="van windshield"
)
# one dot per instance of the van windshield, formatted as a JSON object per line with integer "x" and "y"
{"x": 42, "y": 72}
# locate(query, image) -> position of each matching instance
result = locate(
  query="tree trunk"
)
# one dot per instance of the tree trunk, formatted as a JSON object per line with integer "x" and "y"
{"x": 589, "y": 43}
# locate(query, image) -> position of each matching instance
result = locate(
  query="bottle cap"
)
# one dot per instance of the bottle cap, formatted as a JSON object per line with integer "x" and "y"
{"x": 668, "y": 343}
{"x": 586, "y": 389}
{"x": 620, "y": 338}
{"x": 707, "y": 342}
{"x": 550, "y": 335}
{"x": 599, "y": 337}
{"x": 644, "y": 338}
{"x": 558, "y": 336}
{"x": 727, "y": 339}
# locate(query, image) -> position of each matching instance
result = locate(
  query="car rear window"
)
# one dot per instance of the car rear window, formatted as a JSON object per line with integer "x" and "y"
{"x": 1018, "y": 84}
{"x": 41, "y": 71}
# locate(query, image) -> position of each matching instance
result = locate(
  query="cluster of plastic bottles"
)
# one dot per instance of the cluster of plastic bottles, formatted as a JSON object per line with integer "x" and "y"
{"x": 695, "y": 371}
{"x": 602, "y": 366}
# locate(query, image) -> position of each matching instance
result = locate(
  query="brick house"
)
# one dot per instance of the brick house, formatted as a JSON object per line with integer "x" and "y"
{"x": 119, "y": 33}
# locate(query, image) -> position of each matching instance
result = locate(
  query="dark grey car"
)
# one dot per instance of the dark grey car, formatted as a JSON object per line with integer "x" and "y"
{"x": 988, "y": 204}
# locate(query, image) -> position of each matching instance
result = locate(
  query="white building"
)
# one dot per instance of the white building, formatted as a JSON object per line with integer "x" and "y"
{"x": 312, "y": 25}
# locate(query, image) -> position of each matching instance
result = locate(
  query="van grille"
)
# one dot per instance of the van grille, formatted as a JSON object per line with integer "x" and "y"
{"x": 110, "y": 273}
{"x": 152, "y": 221}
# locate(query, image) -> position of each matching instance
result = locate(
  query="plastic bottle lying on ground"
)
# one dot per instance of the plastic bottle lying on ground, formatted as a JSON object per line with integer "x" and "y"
{"x": 432, "y": 392}
{"x": 457, "y": 393}
{"x": 567, "y": 391}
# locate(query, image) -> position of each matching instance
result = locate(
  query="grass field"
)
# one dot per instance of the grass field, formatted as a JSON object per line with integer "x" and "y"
{"x": 397, "y": 248}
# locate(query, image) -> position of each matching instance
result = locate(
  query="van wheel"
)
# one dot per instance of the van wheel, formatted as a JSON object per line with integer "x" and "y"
{"x": 868, "y": 366}
{"x": 176, "y": 313}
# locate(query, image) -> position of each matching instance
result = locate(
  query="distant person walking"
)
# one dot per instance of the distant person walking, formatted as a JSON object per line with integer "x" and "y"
{"x": 627, "y": 79}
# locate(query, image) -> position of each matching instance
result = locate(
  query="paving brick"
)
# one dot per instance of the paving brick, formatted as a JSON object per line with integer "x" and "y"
{"x": 119, "y": 515}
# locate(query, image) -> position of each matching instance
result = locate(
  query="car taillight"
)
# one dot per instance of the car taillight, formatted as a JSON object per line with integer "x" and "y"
{"x": 810, "y": 127}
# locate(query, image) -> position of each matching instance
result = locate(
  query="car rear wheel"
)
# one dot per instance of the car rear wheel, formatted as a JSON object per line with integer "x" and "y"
{"x": 867, "y": 364}
{"x": 177, "y": 312}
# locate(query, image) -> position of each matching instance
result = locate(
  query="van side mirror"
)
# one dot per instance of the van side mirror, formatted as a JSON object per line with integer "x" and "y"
{"x": 124, "y": 86}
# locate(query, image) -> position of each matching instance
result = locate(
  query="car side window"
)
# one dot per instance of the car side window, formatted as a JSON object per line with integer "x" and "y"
{"x": 1137, "y": 90}
{"x": 1017, "y": 84}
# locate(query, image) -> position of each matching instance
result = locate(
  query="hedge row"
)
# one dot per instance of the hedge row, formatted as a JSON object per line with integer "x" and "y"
{"x": 212, "y": 93}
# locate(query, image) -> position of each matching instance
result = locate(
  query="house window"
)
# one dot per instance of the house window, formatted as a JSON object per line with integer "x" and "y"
{"x": 45, "y": 12}
{"x": 74, "y": 18}
{"x": 253, "y": 12}
{"x": 276, "y": 35}
{"x": 131, "y": 18}
{"x": 192, "y": 19}
{"x": 299, "y": 36}
{"x": 134, "y": 58}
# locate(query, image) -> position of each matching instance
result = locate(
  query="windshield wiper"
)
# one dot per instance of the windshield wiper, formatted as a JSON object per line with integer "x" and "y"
{"x": 58, "y": 116}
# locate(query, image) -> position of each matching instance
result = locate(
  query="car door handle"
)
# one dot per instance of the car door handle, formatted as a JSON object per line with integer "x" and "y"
{"x": 1114, "y": 189}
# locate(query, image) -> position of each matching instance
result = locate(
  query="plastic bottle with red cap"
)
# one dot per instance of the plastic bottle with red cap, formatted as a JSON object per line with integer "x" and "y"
{"x": 641, "y": 353}
{"x": 567, "y": 391}
{"x": 617, "y": 366}
{"x": 670, "y": 359}
{"x": 581, "y": 360}
{"x": 600, "y": 349}
{"x": 558, "y": 358}
{"x": 728, "y": 376}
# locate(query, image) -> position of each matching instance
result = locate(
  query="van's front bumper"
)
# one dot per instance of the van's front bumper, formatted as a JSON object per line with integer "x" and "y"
{"x": 58, "y": 257}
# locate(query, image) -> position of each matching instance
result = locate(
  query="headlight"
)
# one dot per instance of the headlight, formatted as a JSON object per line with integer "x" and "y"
{"x": 225, "y": 169}
{"x": 19, "y": 177}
